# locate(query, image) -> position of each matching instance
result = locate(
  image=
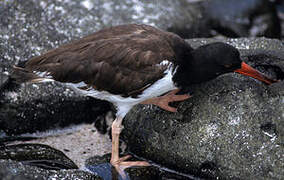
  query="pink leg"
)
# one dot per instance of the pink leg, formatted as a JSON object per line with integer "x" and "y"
{"x": 163, "y": 101}
{"x": 119, "y": 163}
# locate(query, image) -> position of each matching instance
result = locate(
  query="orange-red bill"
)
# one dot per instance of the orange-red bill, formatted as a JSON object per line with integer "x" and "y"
{"x": 249, "y": 71}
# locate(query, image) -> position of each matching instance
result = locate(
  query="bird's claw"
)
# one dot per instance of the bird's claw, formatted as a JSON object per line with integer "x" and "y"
{"x": 163, "y": 101}
{"x": 121, "y": 164}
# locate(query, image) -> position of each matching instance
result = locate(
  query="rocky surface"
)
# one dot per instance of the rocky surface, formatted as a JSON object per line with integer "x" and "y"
{"x": 38, "y": 107}
{"x": 232, "y": 127}
{"x": 17, "y": 171}
{"x": 29, "y": 28}
{"x": 78, "y": 143}
{"x": 243, "y": 18}
{"x": 38, "y": 161}
{"x": 38, "y": 155}
{"x": 236, "y": 113}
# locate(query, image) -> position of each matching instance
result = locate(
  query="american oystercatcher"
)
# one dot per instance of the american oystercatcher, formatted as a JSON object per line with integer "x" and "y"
{"x": 131, "y": 64}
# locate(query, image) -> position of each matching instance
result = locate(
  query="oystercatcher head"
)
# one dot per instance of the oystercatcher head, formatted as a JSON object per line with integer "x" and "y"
{"x": 212, "y": 60}
{"x": 131, "y": 64}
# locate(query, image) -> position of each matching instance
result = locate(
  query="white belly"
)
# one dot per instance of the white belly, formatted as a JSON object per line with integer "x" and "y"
{"x": 124, "y": 104}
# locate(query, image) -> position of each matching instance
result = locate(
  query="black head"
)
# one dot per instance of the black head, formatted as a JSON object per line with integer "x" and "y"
{"x": 211, "y": 60}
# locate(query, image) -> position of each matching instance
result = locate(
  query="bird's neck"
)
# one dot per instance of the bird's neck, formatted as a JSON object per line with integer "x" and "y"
{"x": 192, "y": 72}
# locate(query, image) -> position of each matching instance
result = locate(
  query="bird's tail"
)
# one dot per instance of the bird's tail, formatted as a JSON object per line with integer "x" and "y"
{"x": 11, "y": 81}
{"x": 21, "y": 75}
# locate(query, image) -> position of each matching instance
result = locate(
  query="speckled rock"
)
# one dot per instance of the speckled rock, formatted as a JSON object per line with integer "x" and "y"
{"x": 37, "y": 155}
{"x": 31, "y": 27}
{"x": 39, "y": 107}
{"x": 232, "y": 127}
{"x": 243, "y": 18}
{"x": 5, "y": 174}
{"x": 20, "y": 171}
{"x": 27, "y": 29}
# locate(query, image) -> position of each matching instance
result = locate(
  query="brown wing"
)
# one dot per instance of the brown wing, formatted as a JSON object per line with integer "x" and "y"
{"x": 121, "y": 60}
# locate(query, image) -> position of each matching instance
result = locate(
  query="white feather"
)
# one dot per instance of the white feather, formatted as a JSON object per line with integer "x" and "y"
{"x": 44, "y": 74}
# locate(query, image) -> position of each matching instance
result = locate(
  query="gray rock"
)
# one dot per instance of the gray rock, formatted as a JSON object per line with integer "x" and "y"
{"x": 18, "y": 170}
{"x": 232, "y": 127}
{"x": 29, "y": 28}
{"x": 243, "y": 18}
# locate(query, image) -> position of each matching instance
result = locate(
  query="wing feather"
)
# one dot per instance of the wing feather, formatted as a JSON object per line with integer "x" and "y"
{"x": 122, "y": 60}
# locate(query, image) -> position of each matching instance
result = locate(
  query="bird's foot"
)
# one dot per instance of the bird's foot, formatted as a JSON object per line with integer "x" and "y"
{"x": 163, "y": 101}
{"x": 121, "y": 164}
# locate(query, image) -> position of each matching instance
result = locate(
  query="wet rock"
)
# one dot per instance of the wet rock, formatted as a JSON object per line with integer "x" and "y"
{"x": 20, "y": 171}
{"x": 243, "y": 18}
{"x": 30, "y": 28}
{"x": 232, "y": 127}
{"x": 39, "y": 155}
{"x": 101, "y": 166}
{"x": 38, "y": 107}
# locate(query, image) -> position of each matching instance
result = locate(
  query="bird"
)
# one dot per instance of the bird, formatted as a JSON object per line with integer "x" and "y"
{"x": 133, "y": 64}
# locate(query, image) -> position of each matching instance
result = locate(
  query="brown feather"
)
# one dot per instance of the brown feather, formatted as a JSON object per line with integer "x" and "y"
{"x": 121, "y": 60}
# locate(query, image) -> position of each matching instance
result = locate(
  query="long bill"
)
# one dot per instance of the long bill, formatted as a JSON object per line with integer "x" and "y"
{"x": 249, "y": 71}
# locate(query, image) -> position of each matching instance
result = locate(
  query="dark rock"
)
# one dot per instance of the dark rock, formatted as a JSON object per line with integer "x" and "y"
{"x": 280, "y": 12}
{"x": 39, "y": 155}
{"x": 28, "y": 29}
{"x": 3, "y": 80}
{"x": 101, "y": 166}
{"x": 38, "y": 107}
{"x": 232, "y": 127}
{"x": 31, "y": 28}
{"x": 41, "y": 107}
{"x": 243, "y": 18}
{"x": 5, "y": 174}
{"x": 17, "y": 170}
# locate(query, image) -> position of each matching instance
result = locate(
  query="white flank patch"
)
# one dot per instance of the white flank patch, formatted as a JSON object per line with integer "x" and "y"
{"x": 47, "y": 80}
{"x": 44, "y": 74}
{"x": 165, "y": 62}
{"x": 43, "y": 77}
{"x": 124, "y": 104}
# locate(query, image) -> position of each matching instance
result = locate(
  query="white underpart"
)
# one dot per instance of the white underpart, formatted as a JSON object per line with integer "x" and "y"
{"x": 164, "y": 63}
{"x": 44, "y": 74}
{"x": 124, "y": 104}
{"x": 46, "y": 80}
